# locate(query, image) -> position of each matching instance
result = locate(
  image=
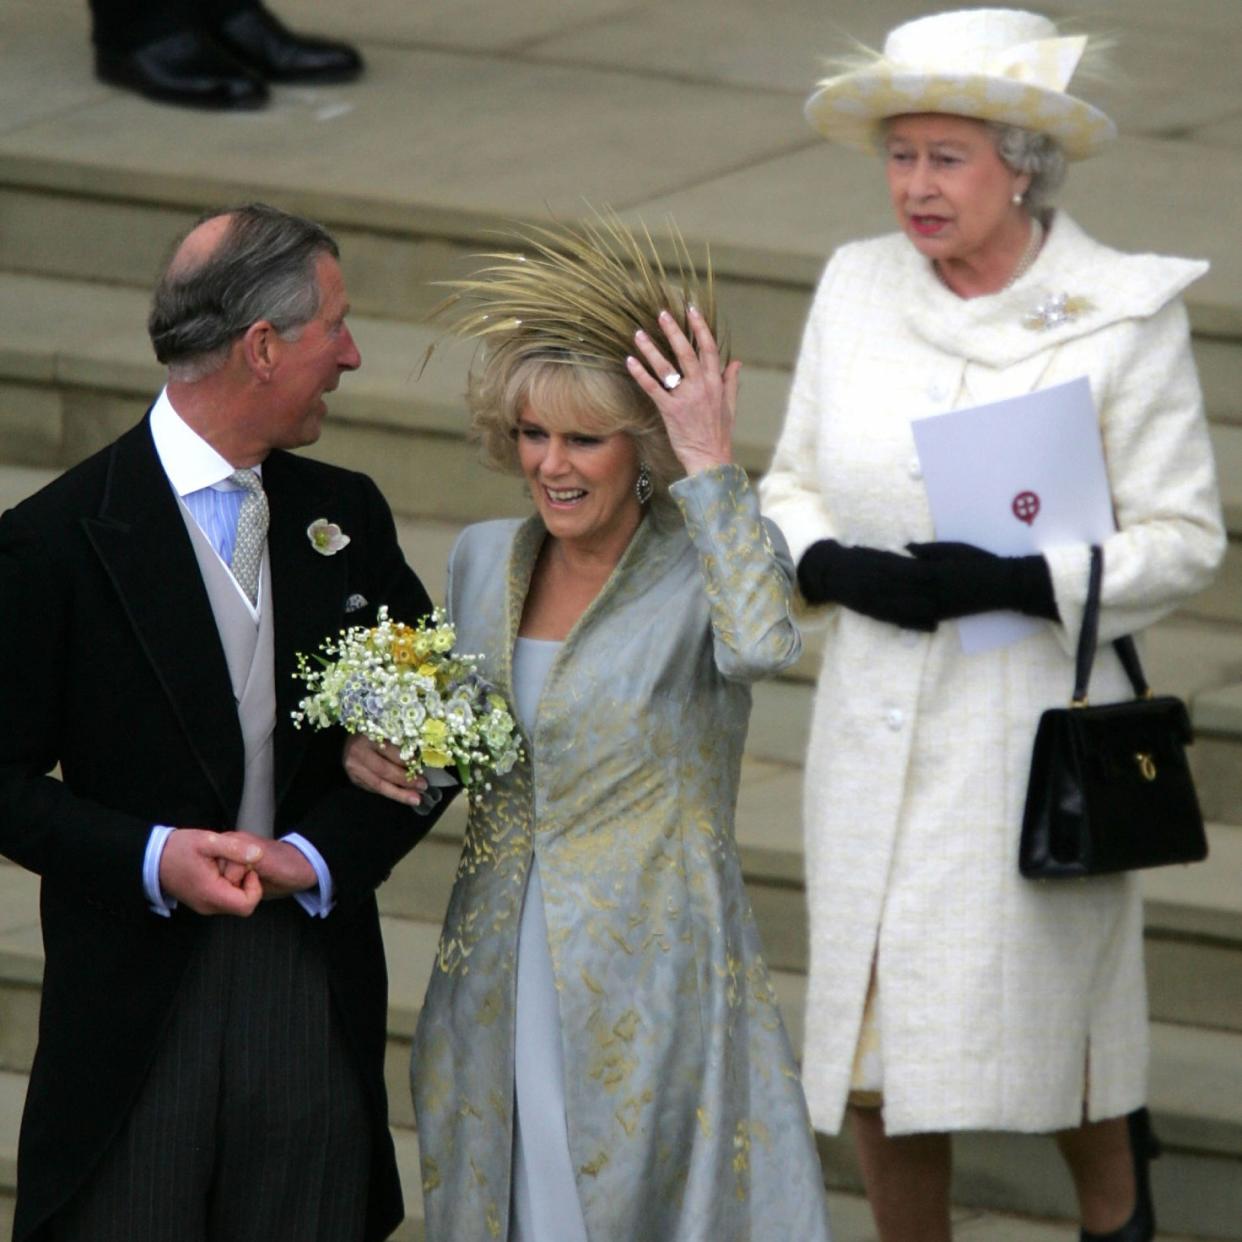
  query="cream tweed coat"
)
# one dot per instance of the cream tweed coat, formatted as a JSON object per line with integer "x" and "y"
{"x": 1003, "y": 1004}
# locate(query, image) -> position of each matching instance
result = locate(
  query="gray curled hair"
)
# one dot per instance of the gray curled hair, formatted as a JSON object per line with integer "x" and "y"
{"x": 1038, "y": 155}
{"x": 263, "y": 268}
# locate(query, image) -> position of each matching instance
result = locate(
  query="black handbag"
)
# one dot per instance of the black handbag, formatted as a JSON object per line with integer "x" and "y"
{"x": 1110, "y": 787}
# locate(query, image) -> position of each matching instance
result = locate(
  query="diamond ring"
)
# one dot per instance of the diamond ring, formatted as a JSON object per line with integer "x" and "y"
{"x": 671, "y": 380}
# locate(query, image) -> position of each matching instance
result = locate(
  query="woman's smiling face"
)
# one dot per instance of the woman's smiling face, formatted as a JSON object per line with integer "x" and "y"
{"x": 582, "y": 480}
{"x": 951, "y": 191}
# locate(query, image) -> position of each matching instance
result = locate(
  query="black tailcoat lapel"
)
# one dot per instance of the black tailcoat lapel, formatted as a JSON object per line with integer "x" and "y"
{"x": 141, "y": 539}
{"x": 308, "y": 592}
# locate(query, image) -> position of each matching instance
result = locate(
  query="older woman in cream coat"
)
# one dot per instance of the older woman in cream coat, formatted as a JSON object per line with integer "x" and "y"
{"x": 942, "y": 984}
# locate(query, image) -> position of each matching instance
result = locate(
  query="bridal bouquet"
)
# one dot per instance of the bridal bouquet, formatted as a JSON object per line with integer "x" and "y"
{"x": 406, "y": 685}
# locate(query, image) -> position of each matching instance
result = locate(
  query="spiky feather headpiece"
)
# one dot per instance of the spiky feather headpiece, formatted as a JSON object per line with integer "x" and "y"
{"x": 579, "y": 294}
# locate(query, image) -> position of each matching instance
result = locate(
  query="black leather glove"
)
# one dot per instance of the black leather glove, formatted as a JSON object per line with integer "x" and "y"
{"x": 884, "y": 585}
{"x": 970, "y": 580}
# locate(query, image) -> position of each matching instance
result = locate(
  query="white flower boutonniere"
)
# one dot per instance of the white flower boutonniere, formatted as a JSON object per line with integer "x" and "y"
{"x": 326, "y": 537}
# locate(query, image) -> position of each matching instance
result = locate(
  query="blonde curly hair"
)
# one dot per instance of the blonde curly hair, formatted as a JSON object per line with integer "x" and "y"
{"x": 556, "y": 323}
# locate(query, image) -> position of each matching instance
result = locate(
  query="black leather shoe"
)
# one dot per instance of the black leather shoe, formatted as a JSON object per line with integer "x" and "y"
{"x": 1144, "y": 1148}
{"x": 263, "y": 43}
{"x": 185, "y": 68}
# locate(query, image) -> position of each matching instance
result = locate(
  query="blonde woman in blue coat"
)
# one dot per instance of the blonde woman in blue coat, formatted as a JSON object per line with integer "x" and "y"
{"x": 600, "y": 1055}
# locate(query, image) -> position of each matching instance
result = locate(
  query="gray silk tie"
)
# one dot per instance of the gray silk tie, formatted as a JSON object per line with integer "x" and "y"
{"x": 251, "y": 533}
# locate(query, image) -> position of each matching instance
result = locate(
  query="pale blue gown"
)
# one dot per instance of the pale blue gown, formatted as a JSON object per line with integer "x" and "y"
{"x": 545, "y": 1193}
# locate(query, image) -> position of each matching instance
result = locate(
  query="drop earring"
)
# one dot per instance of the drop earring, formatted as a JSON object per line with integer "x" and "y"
{"x": 643, "y": 485}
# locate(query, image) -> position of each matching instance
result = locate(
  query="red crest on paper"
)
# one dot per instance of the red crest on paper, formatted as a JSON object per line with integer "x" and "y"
{"x": 1026, "y": 507}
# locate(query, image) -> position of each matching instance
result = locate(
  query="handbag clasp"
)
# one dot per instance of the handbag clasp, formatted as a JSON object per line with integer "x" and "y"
{"x": 1146, "y": 765}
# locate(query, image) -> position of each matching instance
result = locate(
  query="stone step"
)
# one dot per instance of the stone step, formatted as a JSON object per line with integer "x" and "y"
{"x": 76, "y": 369}
{"x": 749, "y": 175}
{"x": 67, "y": 216}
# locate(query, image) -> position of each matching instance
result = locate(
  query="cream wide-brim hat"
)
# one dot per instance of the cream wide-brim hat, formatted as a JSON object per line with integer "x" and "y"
{"x": 1002, "y": 65}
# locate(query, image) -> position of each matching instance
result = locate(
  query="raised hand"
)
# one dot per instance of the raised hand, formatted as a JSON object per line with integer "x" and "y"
{"x": 696, "y": 399}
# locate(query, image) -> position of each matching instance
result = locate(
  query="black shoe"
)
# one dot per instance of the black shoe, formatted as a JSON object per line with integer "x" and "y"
{"x": 263, "y": 43}
{"x": 185, "y": 68}
{"x": 1144, "y": 1148}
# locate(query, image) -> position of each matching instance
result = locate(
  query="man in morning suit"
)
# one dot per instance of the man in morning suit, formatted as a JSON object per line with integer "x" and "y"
{"x": 203, "y": 1076}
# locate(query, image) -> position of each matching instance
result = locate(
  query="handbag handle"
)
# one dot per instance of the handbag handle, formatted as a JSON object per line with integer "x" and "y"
{"x": 1126, "y": 651}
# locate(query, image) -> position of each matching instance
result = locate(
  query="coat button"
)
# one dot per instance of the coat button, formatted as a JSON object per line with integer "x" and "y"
{"x": 937, "y": 390}
{"x": 915, "y": 468}
{"x": 894, "y": 718}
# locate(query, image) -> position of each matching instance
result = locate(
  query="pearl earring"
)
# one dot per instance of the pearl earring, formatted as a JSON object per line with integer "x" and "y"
{"x": 1017, "y": 199}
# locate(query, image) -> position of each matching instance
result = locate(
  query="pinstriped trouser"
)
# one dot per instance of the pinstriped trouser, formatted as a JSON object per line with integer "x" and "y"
{"x": 252, "y": 1125}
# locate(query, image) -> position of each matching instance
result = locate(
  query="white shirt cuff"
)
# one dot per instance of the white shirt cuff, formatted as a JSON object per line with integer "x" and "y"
{"x": 317, "y": 902}
{"x": 151, "y": 872}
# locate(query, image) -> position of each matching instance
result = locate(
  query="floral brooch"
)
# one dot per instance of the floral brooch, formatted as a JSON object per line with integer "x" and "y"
{"x": 1054, "y": 311}
{"x": 326, "y": 537}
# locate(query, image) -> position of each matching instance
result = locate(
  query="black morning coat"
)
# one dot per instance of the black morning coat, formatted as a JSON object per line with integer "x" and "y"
{"x": 114, "y": 670}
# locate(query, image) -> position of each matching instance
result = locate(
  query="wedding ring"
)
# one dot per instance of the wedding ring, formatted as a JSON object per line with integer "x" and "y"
{"x": 671, "y": 380}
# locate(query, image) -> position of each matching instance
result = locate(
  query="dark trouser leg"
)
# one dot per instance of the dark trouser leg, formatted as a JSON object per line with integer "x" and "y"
{"x": 294, "y": 1127}
{"x": 252, "y": 1125}
{"x": 122, "y": 25}
{"x": 154, "y": 1179}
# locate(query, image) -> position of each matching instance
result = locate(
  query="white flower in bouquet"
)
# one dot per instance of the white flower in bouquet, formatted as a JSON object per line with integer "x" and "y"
{"x": 405, "y": 685}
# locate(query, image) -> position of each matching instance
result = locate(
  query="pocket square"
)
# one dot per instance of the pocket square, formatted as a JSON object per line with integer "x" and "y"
{"x": 354, "y": 602}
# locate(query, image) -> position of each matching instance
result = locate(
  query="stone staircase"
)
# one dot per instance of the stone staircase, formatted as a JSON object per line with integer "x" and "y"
{"x": 479, "y": 112}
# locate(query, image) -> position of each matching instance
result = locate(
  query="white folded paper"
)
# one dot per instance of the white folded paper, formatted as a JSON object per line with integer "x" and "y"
{"x": 1016, "y": 476}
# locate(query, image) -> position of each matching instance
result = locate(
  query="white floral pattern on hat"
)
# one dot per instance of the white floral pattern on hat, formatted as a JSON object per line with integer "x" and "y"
{"x": 1003, "y": 65}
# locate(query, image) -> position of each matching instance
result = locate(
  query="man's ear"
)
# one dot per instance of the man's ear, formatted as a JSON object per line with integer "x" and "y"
{"x": 259, "y": 345}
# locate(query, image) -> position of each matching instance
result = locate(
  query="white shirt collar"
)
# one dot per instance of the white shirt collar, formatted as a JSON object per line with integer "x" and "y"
{"x": 188, "y": 460}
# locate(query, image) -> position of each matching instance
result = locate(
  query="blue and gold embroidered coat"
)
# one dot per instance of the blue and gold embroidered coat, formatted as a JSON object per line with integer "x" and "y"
{"x": 686, "y": 1118}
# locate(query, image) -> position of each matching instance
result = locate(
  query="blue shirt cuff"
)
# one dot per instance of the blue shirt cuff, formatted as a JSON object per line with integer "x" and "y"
{"x": 151, "y": 872}
{"x": 317, "y": 902}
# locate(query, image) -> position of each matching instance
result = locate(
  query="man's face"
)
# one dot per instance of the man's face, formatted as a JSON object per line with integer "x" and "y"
{"x": 311, "y": 366}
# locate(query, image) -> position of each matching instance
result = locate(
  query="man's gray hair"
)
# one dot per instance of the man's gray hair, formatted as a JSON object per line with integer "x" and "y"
{"x": 263, "y": 268}
{"x": 1038, "y": 155}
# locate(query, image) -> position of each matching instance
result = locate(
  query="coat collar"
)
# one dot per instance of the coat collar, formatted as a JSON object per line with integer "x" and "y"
{"x": 660, "y": 536}
{"x": 141, "y": 540}
{"x": 308, "y": 591}
{"x": 1003, "y": 329}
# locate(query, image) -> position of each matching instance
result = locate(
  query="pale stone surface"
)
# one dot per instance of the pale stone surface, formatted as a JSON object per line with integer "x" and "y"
{"x": 769, "y": 819}
{"x": 45, "y": 65}
{"x": 1163, "y": 196}
{"x": 1207, "y": 897}
{"x": 411, "y": 951}
{"x": 122, "y": 242}
{"x": 18, "y": 482}
{"x": 469, "y": 24}
{"x": 32, "y": 420}
{"x": 1227, "y": 447}
{"x": 1225, "y": 135}
{"x": 1164, "y": 76}
{"x": 1219, "y": 710}
{"x": 509, "y": 138}
{"x": 1220, "y": 373}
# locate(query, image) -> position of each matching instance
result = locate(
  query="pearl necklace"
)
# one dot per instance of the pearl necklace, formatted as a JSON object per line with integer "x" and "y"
{"x": 1034, "y": 243}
